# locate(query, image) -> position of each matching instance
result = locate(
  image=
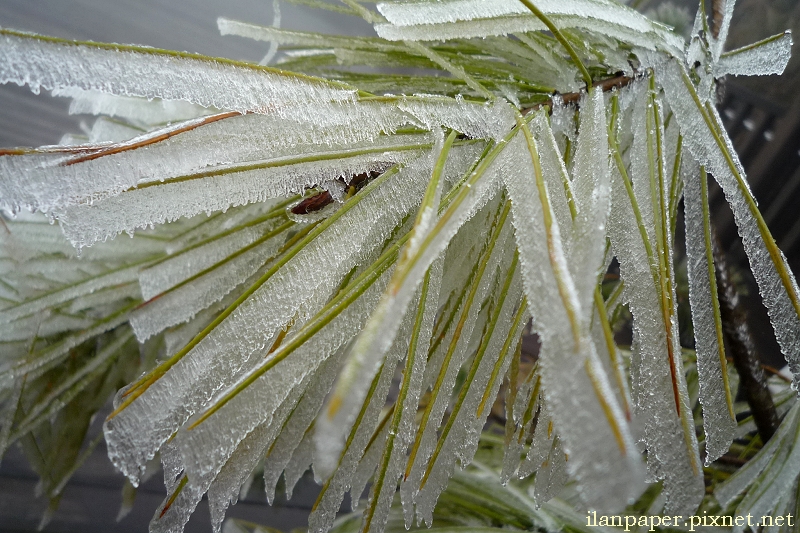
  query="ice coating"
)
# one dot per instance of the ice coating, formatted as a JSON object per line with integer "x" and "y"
{"x": 143, "y": 207}
{"x": 726, "y": 491}
{"x": 48, "y": 300}
{"x": 719, "y": 422}
{"x": 718, "y": 43}
{"x": 207, "y": 447}
{"x": 368, "y": 463}
{"x": 243, "y": 336}
{"x": 777, "y": 481}
{"x": 208, "y": 145}
{"x": 710, "y": 146}
{"x": 415, "y": 13}
{"x": 300, "y": 462}
{"x": 297, "y": 427}
{"x": 759, "y": 59}
{"x": 470, "y": 320}
{"x": 461, "y": 442}
{"x": 49, "y": 63}
{"x": 672, "y": 452}
{"x": 182, "y": 266}
{"x": 477, "y": 120}
{"x": 106, "y": 130}
{"x": 322, "y": 517}
{"x": 307, "y": 39}
{"x": 541, "y": 442}
{"x": 552, "y": 476}
{"x": 517, "y": 428}
{"x": 559, "y": 184}
{"x": 184, "y": 302}
{"x": 225, "y": 488}
{"x": 590, "y": 190}
{"x": 626, "y": 29}
{"x": 139, "y": 111}
{"x": 599, "y": 441}
{"x": 378, "y": 335}
{"x": 401, "y": 431}
{"x": 209, "y": 434}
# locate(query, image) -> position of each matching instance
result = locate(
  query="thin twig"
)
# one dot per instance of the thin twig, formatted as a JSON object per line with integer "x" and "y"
{"x": 616, "y": 82}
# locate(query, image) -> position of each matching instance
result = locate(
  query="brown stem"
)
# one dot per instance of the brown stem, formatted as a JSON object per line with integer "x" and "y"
{"x": 716, "y": 17}
{"x": 617, "y": 82}
{"x": 752, "y": 381}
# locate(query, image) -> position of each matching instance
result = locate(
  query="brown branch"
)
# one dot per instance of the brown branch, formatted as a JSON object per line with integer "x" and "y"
{"x": 752, "y": 381}
{"x": 616, "y": 82}
{"x": 716, "y": 17}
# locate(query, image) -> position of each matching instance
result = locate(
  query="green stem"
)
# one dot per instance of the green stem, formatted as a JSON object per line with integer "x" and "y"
{"x": 561, "y": 39}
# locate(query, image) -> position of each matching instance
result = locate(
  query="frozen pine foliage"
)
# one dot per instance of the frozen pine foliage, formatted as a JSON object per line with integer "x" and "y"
{"x": 331, "y": 264}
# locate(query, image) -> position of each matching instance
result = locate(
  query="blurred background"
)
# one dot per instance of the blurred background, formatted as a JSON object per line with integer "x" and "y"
{"x": 762, "y": 116}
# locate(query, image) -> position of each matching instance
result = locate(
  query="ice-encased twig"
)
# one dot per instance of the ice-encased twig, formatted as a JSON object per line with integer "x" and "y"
{"x": 769, "y": 56}
{"x": 590, "y": 191}
{"x": 719, "y": 420}
{"x": 303, "y": 38}
{"x": 709, "y": 144}
{"x": 59, "y": 296}
{"x": 599, "y": 441}
{"x": 623, "y": 29}
{"x": 477, "y": 120}
{"x": 182, "y": 303}
{"x": 51, "y": 63}
{"x": 379, "y": 332}
{"x": 726, "y": 491}
{"x": 139, "y": 111}
{"x": 459, "y": 439}
{"x": 299, "y": 424}
{"x": 61, "y": 180}
{"x": 401, "y": 428}
{"x": 182, "y": 265}
{"x": 226, "y": 186}
{"x": 282, "y": 296}
{"x": 445, "y": 369}
{"x": 330, "y": 499}
{"x": 225, "y": 489}
{"x": 672, "y": 452}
